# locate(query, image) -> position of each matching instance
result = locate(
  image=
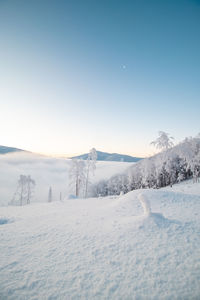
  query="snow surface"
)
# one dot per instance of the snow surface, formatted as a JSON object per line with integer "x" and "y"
{"x": 104, "y": 248}
{"x": 46, "y": 171}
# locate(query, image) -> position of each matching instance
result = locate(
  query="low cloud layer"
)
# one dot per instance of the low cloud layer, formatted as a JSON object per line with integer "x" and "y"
{"x": 46, "y": 171}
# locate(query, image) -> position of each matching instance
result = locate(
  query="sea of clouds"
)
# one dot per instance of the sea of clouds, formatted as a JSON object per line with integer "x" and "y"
{"x": 46, "y": 171}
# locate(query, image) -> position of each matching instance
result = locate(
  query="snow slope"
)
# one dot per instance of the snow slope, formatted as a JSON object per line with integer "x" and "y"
{"x": 103, "y": 248}
{"x": 46, "y": 171}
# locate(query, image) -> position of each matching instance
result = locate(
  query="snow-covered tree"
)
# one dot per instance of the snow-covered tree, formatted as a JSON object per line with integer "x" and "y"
{"x": 21, "y": 191}
{"x": 165, "y": 168}
{"x": 30, "y": 188}
{"x": 164, "y": 141}
{"x": 24, "y": 191}
{"x": 77, "y": 175}
{"x": 50, "y": 194}
{"x": 189, "y": 151}
{"x": 90, "y": 167}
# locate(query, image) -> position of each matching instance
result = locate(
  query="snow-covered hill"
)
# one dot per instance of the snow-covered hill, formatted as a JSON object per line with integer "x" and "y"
{"x": 104, "y": 248}
{"x": 168, "y": 167}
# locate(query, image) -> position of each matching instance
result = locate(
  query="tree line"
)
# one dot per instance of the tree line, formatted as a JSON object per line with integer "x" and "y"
{"x": 172, "y": 165}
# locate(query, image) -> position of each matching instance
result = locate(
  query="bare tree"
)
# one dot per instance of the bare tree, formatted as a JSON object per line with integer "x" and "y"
{"x": 24, "y": 191}
{"x": 22, "y": 188}
{"x": 50, "y": 194}
{"x": 77, "y": 175}
{"x": 30, "y": 184}
{"x": 90, "y": 166}
{"x": 164, "y": 141}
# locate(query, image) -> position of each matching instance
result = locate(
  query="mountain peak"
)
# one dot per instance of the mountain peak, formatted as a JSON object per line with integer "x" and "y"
{"x": 5, "y": 149}
{"x": 105, "y": 156}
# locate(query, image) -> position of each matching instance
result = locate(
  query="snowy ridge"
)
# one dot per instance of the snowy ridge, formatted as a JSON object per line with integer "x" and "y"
{"x": 168, "y": 167}
{"x": 104, "y": 248}
{"x": 4, "y": 150}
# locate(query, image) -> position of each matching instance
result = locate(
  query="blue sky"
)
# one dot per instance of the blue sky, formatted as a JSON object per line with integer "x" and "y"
{"x": 105, "y": 74}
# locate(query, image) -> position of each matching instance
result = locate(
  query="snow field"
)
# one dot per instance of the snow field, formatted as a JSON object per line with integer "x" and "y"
{"x": 103, "y": 248}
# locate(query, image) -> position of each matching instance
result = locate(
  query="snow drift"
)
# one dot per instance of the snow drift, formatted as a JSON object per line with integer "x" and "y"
{"x": 104, "y": 248}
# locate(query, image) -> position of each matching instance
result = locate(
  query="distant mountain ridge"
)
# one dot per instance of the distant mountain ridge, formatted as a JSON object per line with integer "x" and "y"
{"x": 104, "y": 156}
{"x": 101, "y": 156}
{"x": 4, "y": 149}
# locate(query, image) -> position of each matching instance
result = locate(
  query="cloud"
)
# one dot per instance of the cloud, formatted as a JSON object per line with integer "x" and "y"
{"x": 46, "y": 171}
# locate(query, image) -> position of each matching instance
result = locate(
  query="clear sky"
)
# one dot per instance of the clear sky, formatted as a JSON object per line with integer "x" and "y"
{"x": 106, "y": 74}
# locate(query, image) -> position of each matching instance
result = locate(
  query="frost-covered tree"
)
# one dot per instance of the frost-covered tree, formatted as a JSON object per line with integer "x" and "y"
{"x": 189, "y": 150}
{"x": 163, "y": 142}
{"x": 173, "y": 165}
{"x": 50, "y": 195}
{"x": 123, "y": 184}
{"x": 100, "y": 189}
{"x": 21, "y": 191}
{"x": 90, "y": 167}
{"x": 77, "y": 175}
{"x": 148, "y": 174}
{"x": 24, "y": 191}
{"x": 30, "y": 188}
